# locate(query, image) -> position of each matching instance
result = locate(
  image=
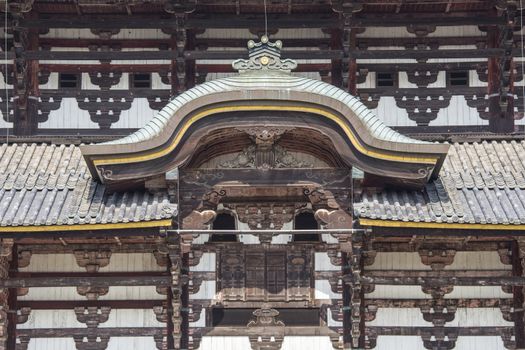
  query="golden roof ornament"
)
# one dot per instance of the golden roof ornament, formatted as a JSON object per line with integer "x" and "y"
{"x": 264, "y": 56}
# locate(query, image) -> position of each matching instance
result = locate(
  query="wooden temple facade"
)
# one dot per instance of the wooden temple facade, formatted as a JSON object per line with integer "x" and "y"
{"x": 354, "y": 178}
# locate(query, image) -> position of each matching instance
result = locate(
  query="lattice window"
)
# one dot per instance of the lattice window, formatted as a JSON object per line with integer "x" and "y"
{"x": 265, "y": 276}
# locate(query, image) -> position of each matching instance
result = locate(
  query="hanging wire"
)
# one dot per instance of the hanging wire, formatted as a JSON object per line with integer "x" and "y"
{"x": 6, "y": 78}
{"x": 522, "y": 58}
{"x": 265, "y": 20}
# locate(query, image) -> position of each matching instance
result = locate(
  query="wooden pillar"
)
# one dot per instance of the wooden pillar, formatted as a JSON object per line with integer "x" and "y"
{"x": 6, "y": 254}
{"x": 336, "y": 43}
{"x": 501, "y": 72}
{"x": 176, "y": 291}
{"x": 518, "y": 269}
{"x": 26, "y": 80}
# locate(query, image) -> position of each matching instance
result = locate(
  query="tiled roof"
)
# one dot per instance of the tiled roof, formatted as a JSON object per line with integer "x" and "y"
{"x": 43, "y": 185}
{"x": 480, "y": 183}
{"x": 252, "y": 81}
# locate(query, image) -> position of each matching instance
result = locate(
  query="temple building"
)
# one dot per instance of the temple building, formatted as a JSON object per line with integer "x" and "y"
{"x": 266, "y": 175}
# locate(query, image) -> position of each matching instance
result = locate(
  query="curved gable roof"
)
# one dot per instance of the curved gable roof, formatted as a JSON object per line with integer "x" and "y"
{"x": 265, "y": 85}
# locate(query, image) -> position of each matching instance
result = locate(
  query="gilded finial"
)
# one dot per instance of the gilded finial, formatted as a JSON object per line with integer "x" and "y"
{"x": 264, "y": 56}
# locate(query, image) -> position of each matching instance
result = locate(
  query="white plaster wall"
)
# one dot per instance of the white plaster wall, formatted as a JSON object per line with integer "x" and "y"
{"x": 206, "y": 263}
{"x": 51, "y": 319}
{"x": 399, "y": 317}
{"x": 477, "y": 261}
{"x": 397, "y": 261}
{"x": 324, "y": 291}
{"x": 55, "y": 344}
{"x": 128, "y": 343}
{"x": 322, "y": 263}
{"x": 330, "y": 320}
{"x": 390, "y": 114}
{"x": 69, "y": 116}
{"x": 202, "y": 320}
{"x": 458, "y": 113}
{"x": 207, "y": 290}
{"x": 119, "y": 262}
{"x": 480, "y": 343}
{"x": 306, "y": 343}
{"x": 397, "y": 292}
{"x": 114, "y": 293}
{"x": 132, "y": 318}
{"x": 482, "y": 317}
{"x": 477, "y": 292}
{"x": 223, "y": 343}
{"x": 399, "y": 342}
{"x": 137, "y": 116}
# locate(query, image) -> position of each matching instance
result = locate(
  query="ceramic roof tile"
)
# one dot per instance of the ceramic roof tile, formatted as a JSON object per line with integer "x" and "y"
{"x": 50, "y": 185}
{"x": 479, "y": 183}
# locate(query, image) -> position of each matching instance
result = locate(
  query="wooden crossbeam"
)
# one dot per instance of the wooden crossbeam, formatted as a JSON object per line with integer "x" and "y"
{"x": 82, "y": 332}
{"x": 71, "y": 304}
{"x": 460, "y": 331}
{"x": 441, "y": 281}
{"x": 295, "y": 54}
{"x": 74, "y": 281}
{"x": 460, "y": 303}
{"x": 327, "y": 20}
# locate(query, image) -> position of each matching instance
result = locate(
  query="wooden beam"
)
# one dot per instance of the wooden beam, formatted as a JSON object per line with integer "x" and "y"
{"x": 324, "y": 20}
{"x": 460, "y": 331}
{"x": 459, "y": 303}
{"x": 295, "y": 54}
{"x": 443, "y": 281}
{"x": 99, "y": 281}
{"x": 71, "y": 304}
{"x": 82, "y": 332}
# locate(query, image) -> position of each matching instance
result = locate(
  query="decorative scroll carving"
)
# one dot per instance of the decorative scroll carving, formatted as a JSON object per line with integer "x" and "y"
{"x": 264, "y": 56}
{"x": 105, "y": 80}
{"x": 505, "y": 256}
{"x": 92, "y": 260}
{"x": 46, "y": 105}
{"x": 91, "y": 342}
{"x": 438, "y": 314}
{"x": 369, "y": 100}
{"x": 23, "y": 343}
{"x": 105, "y": 34}
{"x": 423, "y": 78}
{"x": 437, "y": 259}
{"x": 245, "y": 159}
{"x": 263, "y": 157}
{"x": 264, "y": 216}
{"x": 266, "y": 317}
{"x": 161, "y": 313}
{"x": 421, "y": 30}
{"x": 481, "y": 103}
{"x": 24, "y": 258}
{"x": 105, "y": 110}
{"x": 161, "y": 257}
{"x": 92, "y": 316}
{"x": 199, "y": 220}
{"x": 321, "y": 199}
{"x": 422, "y": 109}
{"x": 92, "y": 293}
{"x": 161, "y": 342}
{"x": 159, "y": 100}
{"x": 439, "y": 339}
{"x": 22, "y": 315}
{"x": 437, "y": 292}
{"x": 195, "y": 313}
{"x": 335, "y": 219}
